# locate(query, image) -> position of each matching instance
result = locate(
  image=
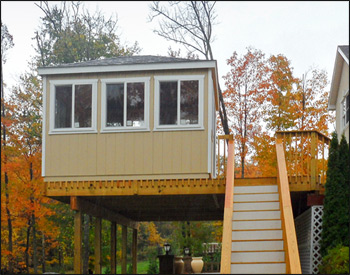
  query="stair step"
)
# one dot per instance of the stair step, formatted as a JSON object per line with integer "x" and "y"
{"x": 256, "y": 197}
{"x": 258, "y": 268}
{"x": 257, "y": 245}
{"x": 257, "y": 235}
{"x": 260, "y": 256}
{"x": 256, "y": 206}
{"x": 242, "y": 225}
{"x": 256, "y": 215}
{"x": 256, "y": 189}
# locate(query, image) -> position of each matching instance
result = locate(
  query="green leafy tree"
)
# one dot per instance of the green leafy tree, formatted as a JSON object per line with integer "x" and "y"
{"x": 335, "y": 226}
{"x": 69, "y": 33}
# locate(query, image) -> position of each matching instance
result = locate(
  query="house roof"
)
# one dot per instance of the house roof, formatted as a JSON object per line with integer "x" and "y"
{"x": 126, "y": 63}
{"x": 342, "y": 55}
{"x": 124, "y": 60}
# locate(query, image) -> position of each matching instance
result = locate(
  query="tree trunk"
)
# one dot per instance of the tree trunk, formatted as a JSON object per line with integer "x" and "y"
{"x": 35, "y": 253}
{"x": 86, "y": 244}
{"x": 60, "y": 260}
{"x": 43, "y": 253}
{"x": 26, "y": 252}
{"x": 9, "y": 223}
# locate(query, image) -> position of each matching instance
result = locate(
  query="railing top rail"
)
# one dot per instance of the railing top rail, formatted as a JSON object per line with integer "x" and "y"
{"x": 303, "y": 131}
{"x": 228, "y": 137}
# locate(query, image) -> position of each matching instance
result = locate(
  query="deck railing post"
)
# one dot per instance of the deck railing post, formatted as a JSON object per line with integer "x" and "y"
{"x": 113, "y": 248}
{"x": 225, "y": 267}
{"x": 124, "y": 245}
{"x": 97, "y": 242}
{"x": 78, "y": 246}
{"x": 313, "y": 163}
{"x": 134, "y": 251}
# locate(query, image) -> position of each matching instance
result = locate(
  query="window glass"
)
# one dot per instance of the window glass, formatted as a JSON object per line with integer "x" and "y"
{"x": 168, "y": 103}
{"x": 63, "y": 106}
{"x": 189, "y": 102}
{"x": 135, "y": 104}
{"x": 82, "y": 106}
{"x": 115, "y": 105}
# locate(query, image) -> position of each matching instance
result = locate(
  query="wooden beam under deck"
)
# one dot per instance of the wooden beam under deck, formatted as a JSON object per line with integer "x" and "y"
{"x": 163, "y": 187}
{"x": 98, "y": 211}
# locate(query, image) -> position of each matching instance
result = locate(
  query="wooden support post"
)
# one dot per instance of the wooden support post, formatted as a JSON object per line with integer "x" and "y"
{"x": 313, "y": 164}
{"x": 124, "y": 244}
{"x": 78, "y": 247}
{"x": 113, "y": 248}
{"x": 134, "y": 251}
{"x": 98, "y": 251}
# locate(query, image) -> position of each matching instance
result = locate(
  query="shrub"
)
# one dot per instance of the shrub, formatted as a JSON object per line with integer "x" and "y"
{"x": 336, "y": 261}
{"x": 153, "y": 266}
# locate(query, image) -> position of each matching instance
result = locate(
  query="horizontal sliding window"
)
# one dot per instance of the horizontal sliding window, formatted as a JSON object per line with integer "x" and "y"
{"x": 73, "y": 106}
{"x": 178, "y": 102}
{"x": 124, "y": 104}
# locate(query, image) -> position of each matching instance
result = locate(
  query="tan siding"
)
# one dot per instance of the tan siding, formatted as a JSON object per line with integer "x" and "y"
{"x": 119, "y": 154}
{"x": 164, "y": 154}
{"x": 186, "y": 166}
{"x": 139, "y": 152}
{"x": 101, "y": 155}
{"x": 157, "y": 153}
{"x": 110, "y": 154}
{"x": 148, "y": 162}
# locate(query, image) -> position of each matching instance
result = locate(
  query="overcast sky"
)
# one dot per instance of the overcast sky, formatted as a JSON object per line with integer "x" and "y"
{"x": 306, "y": 32}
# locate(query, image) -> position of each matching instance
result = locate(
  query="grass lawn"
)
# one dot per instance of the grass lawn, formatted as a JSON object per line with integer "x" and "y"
{"x": 142, "y": 267}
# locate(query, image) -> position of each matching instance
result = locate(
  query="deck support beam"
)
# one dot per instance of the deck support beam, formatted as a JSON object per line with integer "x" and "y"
{"x": 78, "y": 238}
{"x": 95, "y": 210}
{"x": 134, "y": 251}
{"x": 98, "y": 250}
{"x": 124, "y": 245}
{"x": 113, "y": 248}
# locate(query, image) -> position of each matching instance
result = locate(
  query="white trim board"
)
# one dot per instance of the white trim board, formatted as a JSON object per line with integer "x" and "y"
{"x": 126, "y": 68}
{"x": 43, "y": 129}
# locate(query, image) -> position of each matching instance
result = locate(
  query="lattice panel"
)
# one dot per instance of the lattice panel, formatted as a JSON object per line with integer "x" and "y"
{"x": 317, "y": 213}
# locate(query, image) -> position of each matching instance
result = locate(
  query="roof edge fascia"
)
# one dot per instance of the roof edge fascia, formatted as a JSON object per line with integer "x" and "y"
{"x": 335, "y": 79}
{"x": 127, "y": 67}
{"x": 343, "y": 55}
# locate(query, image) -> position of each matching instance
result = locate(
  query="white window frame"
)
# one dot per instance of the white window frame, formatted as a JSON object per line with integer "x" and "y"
{"x": 73, "y": 130}
{"x": 178, "y": 126}
{"x": 344, "y": 123}
{"x": 125, "y": 81}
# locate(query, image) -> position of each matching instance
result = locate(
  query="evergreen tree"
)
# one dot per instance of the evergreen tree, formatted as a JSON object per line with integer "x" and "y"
{"x": 344, "y": 191}
{"x": 332, "y": 212}
{"x": 335, "y": 227}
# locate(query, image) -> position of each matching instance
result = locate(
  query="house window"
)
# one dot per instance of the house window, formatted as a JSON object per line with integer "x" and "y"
{"x": 125, "y": 104}
{"x": 345, "y": 110}
{"x": 178, "y": 102}
{"x": 73, "y": 106}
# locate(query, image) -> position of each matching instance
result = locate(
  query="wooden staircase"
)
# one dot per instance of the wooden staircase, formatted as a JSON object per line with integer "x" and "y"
{"x": 258, "y": 228}
{"x": 257, "y": 239}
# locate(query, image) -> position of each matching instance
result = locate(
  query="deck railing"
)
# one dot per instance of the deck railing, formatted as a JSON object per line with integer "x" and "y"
{"x": 306, "y": 155}
{"x": 289, "y": 235}
{"x": 221, "y": 156}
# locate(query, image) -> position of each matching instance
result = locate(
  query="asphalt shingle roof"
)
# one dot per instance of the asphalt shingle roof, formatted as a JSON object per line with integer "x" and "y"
{"x": 126, "y": 60}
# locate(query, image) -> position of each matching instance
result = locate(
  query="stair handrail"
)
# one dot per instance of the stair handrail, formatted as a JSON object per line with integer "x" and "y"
{"x": 289, "y": 234}
{"x": 225, "y": 265}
